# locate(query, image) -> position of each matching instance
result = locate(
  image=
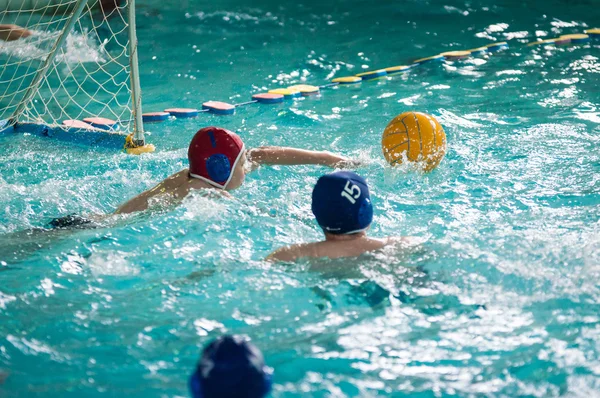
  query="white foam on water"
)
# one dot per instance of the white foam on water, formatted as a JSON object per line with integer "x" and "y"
{"x": 80, "y": 47}
{"x": 204, "y": 326}
{"x": 5, "y": 299}
{"x": 112, "y": 263}
{"x": 205, "y": 204}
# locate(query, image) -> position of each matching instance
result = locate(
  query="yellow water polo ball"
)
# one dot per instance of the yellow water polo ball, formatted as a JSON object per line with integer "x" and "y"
{"x": 414, "y": 137}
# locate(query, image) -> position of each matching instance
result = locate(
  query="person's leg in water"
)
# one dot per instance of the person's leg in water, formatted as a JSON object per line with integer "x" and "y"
{"x": 70, "y": 221}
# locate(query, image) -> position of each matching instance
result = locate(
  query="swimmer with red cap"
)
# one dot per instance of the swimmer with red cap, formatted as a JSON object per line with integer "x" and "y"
{"x": 219, "y": 160}
{"x": 341, "y": 204}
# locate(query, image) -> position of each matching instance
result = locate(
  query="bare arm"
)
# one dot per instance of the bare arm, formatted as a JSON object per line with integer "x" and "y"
{"x": 13, "y": 32}
{"x": 171, "y": 189}
{"x": 292, "y": 156}
{"x": 139, "y": 203}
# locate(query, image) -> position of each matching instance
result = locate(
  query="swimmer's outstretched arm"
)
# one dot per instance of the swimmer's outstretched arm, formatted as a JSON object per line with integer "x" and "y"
{"x": 13, "y": 32}
{"x": 292, "y": 156}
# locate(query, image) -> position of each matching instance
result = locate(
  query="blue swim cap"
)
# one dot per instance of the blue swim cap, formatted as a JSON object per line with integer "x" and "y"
{"x": 341, "y": 203}
{"x": 231, "y": 367}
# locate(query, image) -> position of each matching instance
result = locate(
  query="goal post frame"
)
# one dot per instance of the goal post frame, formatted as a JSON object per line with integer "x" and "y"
{"x": 137, "y": 138}
{"x": 136, "y": 90}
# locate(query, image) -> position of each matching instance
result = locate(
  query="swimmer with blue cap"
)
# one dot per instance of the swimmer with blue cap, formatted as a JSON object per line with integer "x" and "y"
{"x": 342, "y": 206}
{"x": 231, "y": 367}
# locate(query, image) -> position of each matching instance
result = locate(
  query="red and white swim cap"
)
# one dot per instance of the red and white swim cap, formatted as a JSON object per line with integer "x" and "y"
{"x": 213, "y": 155}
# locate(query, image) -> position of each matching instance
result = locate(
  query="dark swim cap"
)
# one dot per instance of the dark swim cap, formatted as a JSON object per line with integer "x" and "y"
{"x": 231, "y": 367}
{"x": 341, "y": 203}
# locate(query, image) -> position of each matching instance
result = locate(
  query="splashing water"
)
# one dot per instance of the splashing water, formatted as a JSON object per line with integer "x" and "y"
{"x": 501, "y": 298}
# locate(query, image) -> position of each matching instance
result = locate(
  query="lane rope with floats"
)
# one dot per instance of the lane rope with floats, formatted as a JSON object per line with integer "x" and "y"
{"x": 281, "y": 94}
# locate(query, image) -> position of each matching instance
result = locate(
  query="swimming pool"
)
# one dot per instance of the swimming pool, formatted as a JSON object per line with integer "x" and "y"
{"x": 503, "y": 300}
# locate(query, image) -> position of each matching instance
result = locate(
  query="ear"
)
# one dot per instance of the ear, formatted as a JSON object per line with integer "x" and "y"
{"x": 218, "y": 167}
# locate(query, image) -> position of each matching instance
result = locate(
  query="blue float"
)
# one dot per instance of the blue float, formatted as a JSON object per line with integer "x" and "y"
{"x": 374, "y": 74}
{"x": 347, "y": 80}
{"x": 73, "y": 135}
{"x": 577, "y": 38}
{"x": 182, "y": 113}
{"x": 435, "y": 58}
{"x": 394, "y": 70}
{"x": 306, "y": 89}
{"x": 479, "y": 51}
{"x": 286, "y": 92}
{"x": 593, "y": 33}
{"x": 456, "y": 55}
{"x": 78, "y": 124}
{"x": 497, "y": 47}
{"x": 101, "y": 123}
{"x": 5, "y": 127}
{"x": 219, "y": 108}
{"x": 154, "y": 117}
{"x": 267, "y": 98}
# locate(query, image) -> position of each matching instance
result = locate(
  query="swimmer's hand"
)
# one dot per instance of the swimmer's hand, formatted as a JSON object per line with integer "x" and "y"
{"x": 292, "y": 156}
{"x": 13, "y": 32}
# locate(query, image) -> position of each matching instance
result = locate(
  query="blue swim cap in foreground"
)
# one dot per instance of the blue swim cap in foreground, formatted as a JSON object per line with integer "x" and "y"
{"x": 341, "y": 203}
{"x": 231, "y": 367}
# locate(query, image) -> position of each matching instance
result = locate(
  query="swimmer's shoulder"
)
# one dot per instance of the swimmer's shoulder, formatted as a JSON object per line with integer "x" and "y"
{"x": 399, "y": 243}
{"x": 179, "y": 184}
{"x": 287, "y": 253}
{"x": 399, "y": 240}
{"x": 173, "y": 186}
{"x": 294, "y": 252}
{"x": 175, "y": 180}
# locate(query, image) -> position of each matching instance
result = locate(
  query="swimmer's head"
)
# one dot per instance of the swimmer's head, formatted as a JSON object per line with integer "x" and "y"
{"x": 231, "y": 367}
{"x": 217, "y": 157}
{"x": 341, "y": 203}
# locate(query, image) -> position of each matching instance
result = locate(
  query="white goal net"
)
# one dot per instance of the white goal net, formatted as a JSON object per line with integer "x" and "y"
{"x": 64, "y": 60}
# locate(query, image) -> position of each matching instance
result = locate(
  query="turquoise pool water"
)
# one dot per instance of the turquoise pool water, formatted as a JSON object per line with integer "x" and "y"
{"x": 502, "y": 300}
